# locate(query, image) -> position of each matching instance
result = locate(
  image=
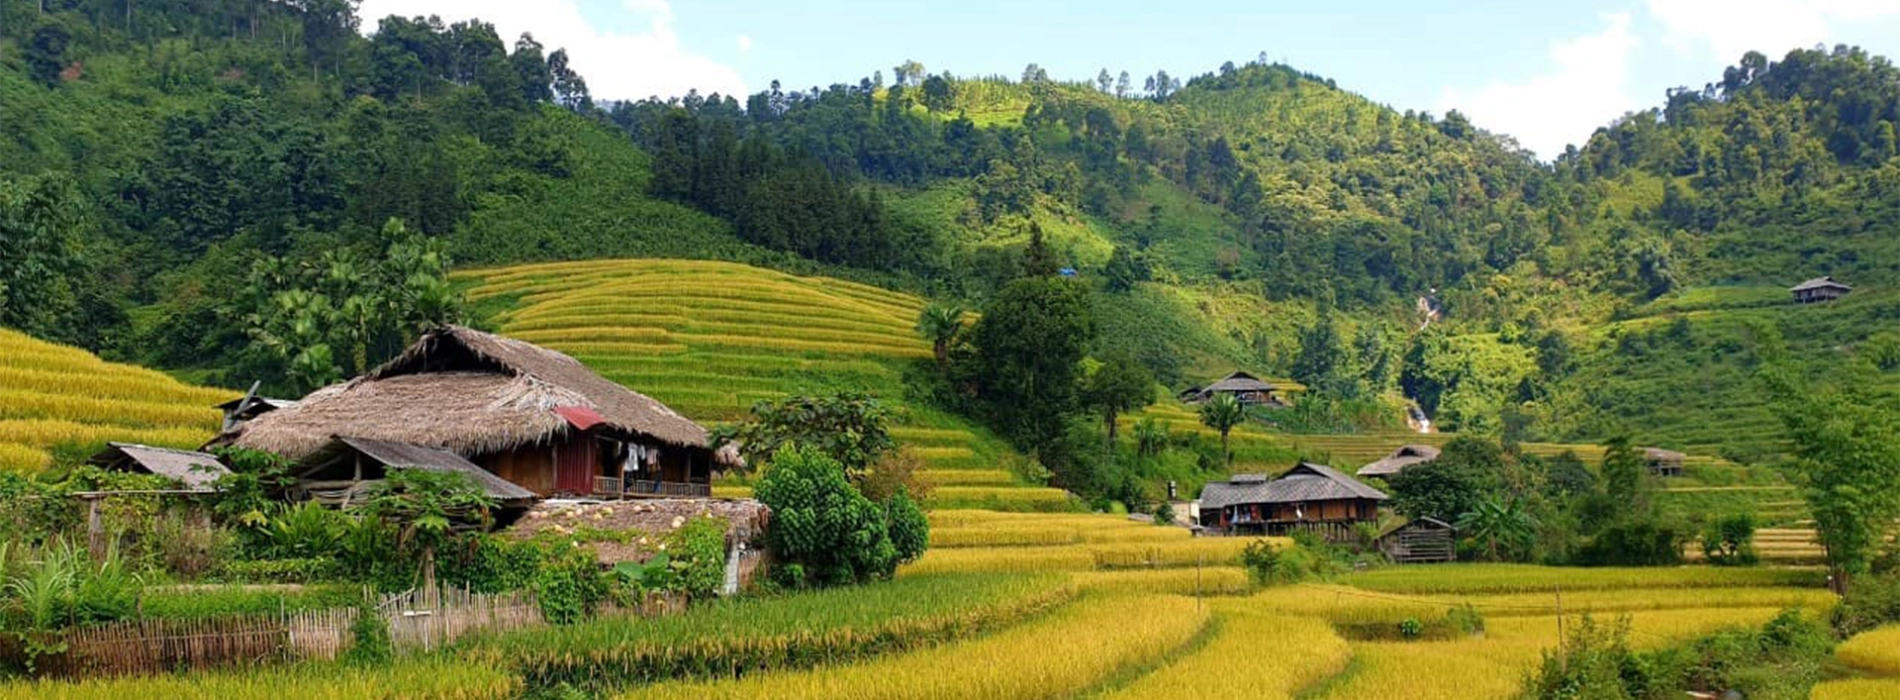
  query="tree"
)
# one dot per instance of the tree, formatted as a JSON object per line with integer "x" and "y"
{"x": 1846, "y": 444}
{"x": 41, "y": 220}
{"x": 1322, "y": 358}
{"x": 1103, "y": 81}
{"x": 908, "y": 73}
{"x": 940, "y": 324}
{"x": 1123, "y": 85}
{"x": 427, "y": 507}
{"x": 849, "y": 430}
{"x": 1123, "y": 270}
{"x": 1223, "y": 412}
{"x": 1119, "y": 385}
{"x": 1501, "y": 525}
{"x": 1625, "y": 477}
{"x": 1034, "y": 74}
{"x": 1466, "y": 473}
{"x": 940, "y": 94}
{"x": 824, "y": 532}
{"x": 1029, "y": 345}
{"x": 1038, "y": 259}
{"x": 46, "y": 53}
{"x": 570, "y": 89}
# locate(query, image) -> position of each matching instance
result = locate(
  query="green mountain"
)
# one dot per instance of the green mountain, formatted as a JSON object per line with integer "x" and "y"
{"x": 196, "y": 185}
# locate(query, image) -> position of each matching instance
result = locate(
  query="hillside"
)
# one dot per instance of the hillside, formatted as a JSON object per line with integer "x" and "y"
{"x": 57, "y": 400}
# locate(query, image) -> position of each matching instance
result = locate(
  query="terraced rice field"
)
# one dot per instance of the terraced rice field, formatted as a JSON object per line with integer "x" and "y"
{"x": 711, "y": 338}
{"x": 54, "y": 398}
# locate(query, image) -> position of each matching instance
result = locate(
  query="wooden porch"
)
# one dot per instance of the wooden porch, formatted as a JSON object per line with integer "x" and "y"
{"x": 615, "y": 487}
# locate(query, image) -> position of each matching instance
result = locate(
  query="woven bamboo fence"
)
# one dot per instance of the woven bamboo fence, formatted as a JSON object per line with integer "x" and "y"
{"x": 428, "y": 618}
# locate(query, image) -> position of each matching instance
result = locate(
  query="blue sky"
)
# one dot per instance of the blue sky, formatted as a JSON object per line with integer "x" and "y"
{"x": 1546, "y": 73}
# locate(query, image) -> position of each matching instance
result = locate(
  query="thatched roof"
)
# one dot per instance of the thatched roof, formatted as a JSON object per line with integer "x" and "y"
{"x": 1405, "y": 456}
{"x": 471, "y": 393}
{"x": 196, "y": 470}
{"x": 1238, "y": 382}
{"x": 1657, "y": 454}
{"x": 1819, "y": 283}
{"x": 397, "y": 455}
{"x": 1304, "y": 482}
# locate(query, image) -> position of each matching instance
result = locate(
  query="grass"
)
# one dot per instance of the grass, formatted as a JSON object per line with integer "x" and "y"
{"x": 56, "y": 399}
{"x": 1063, "y": 654}
{"x": 726, "y": 639}
{"x": 1525, "y": 578}
{"x": 421, "y": 679}
{"x": 1234, "y": 664}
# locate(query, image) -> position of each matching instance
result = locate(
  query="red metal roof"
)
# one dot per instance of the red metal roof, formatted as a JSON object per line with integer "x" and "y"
{"x": 581, "y": 417}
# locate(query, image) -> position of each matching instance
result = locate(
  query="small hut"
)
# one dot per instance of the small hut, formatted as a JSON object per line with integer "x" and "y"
{"x": 1248, "y": 389}
{"x": 1663, "y": 462}
{"x": 1307, "y": 497}
{"x": 1419, "y": 541}
{"x": 532, "y": 416}
{"x": 1398, "y": 461}
{"x": 1819, "y": 289}
{"x": 193, "y": 470}
{"x": 341, "y": 473}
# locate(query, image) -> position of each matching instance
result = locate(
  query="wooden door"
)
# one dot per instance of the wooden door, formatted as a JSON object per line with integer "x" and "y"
{"x": 575, "y": 465}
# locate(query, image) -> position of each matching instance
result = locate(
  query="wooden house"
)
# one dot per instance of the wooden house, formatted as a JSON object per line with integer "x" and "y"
{"x": 1248, "y": 389}
{"x": 1663, "y": 462}
{"x": 1819, "y": 289}
{"x": 534, "y": 417}
{"x": 194, "y": 471}
{"x": 1420, "y": 540}
{"x": 1398, "y": 461}
{"x": 1308, "y": 496}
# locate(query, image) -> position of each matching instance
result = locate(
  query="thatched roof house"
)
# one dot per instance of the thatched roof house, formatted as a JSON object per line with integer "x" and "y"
{"x": 1405, "y": 456}
{"x": 1245, "y": 387}
{"x": 1663, "y": 462}
{"x": 533, "y": 416}
{"x": 195, "y": 470}
{"x": 1819, "y": 289}
{"x": 1305, "y": 496}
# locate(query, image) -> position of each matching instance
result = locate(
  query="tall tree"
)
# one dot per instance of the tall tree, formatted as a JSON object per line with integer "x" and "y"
{"x": 1103, "y": 81}
{"x": 1223, "y": 413}
{"x": 1038, "y": 259}
{"x": 1846, "y": 439}
{"x": 1123, "y": 84}
{"x": 1118, "y": 386}
{"x": 1029, "y": 347}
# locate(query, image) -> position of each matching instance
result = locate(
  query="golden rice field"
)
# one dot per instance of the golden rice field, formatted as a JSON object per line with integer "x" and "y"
{"x": 53, "y": 397}
{"x": 427, "y": 679}
{"x": 1876, "y": 652}
{"x": 711, "y": 338}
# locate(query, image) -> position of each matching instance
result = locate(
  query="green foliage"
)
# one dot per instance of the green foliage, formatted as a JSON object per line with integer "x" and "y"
{"x": 1872, "y": 601}
{"x": 1634, "y": 543}
{"x": 1117, "y": 386}
{"x": 43, "y": 269}
{"x": 1847, "y": 452}
{"x": 851, "y": 429}
{"x": 1411, "y": 629}
{"x": 697, "y": 554}
{"x": 824, "y": 531}
{"x": 940, "y": 324}
{"x": 1468, "y": 471}
{"x": 369, "y": 638}
{"x": 1270, "y": 565}
{"x": 1502, "y": 528}
{"x": 910, "y": 530}
{"x": 1223, "y": 413}
{"x": 1781, "y": 660}
{"x": 568, "y": 583}
{"x": 1466, "y": 619}
{"x": 1729, "y": 541}
{"x": 1029, "y": 347}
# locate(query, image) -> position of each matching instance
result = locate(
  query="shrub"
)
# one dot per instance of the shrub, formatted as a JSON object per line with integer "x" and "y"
{"x": 569, "y": 584}
{"x": 896, "y": 471}
{"x": 910, "y": 530}
{"x": 697, "y": 553}
{"x": 1164, "y": 514}
{"x": 1638, "y": 543}
{"x": 369, "y": 634}
{"x": 1466, "y": 619}
{"x": 1871, "y": 602}
{"x": 821, "y": 523}
{"x": 1729, "y": 541}
{"x": 1411, "y": 629}
{"x": 1269, "y": 565}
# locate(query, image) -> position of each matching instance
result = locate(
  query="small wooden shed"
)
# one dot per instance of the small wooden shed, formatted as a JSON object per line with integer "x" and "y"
{"x": 1663, "y": 462}
{"x": 194, "y": 470}
{"x": 1422, "y": 540}
{"x": 1819, "y": 289}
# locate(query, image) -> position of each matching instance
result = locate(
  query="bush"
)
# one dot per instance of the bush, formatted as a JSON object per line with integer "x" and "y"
{"x": 697, "y": 553}
{"x": 910, "y": 530}
{"x": 369, "y": 634}
{"x": 1270, "y": 566}
{"x": 1466, "y": 619}
{"x": 821, "y": 523}
{"x": 1730, "y": 541}
{"x": 1633, "y": 544}
{"x": 1411, "y": 629}
{"x": 569, "y": 583}
{"x": 1870, "y": 602}
{"x": 1164, "y": 514}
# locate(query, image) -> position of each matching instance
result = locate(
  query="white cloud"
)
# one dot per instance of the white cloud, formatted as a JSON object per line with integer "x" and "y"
{"x": 1587, "y": 87}
{"x": 617, "y": 66}
{"x": 1726, "y": 29}
{"x": 745, "y": 44}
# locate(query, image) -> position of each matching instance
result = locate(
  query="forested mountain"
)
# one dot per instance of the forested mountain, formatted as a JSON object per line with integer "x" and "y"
{"x": 214, "y": 186}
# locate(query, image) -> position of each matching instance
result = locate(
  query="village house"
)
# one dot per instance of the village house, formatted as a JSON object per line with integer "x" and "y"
{"x": 533, "y": 417}
{"x": 1663, "y": 462}
{"x": 1244, "y": 387}
{"x": 1819, "y": 289}
{"x": 1307, "y": 497}
{"x": 248, "y": 406}
{"x": 1406, "y": 456}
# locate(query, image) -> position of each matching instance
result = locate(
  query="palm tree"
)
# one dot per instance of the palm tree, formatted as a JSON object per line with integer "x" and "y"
{"x": 939, "y": 324}
{"x": 1222, "y": 413}
{"x": 1501, "y": 525}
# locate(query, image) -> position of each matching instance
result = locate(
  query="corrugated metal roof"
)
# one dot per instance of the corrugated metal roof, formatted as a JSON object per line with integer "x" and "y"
{"x": 401, "y": 455}
{"x": 1818, "y": 283}
{"x": 195, "y": 469}
{"x": 1304, "y": 482}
